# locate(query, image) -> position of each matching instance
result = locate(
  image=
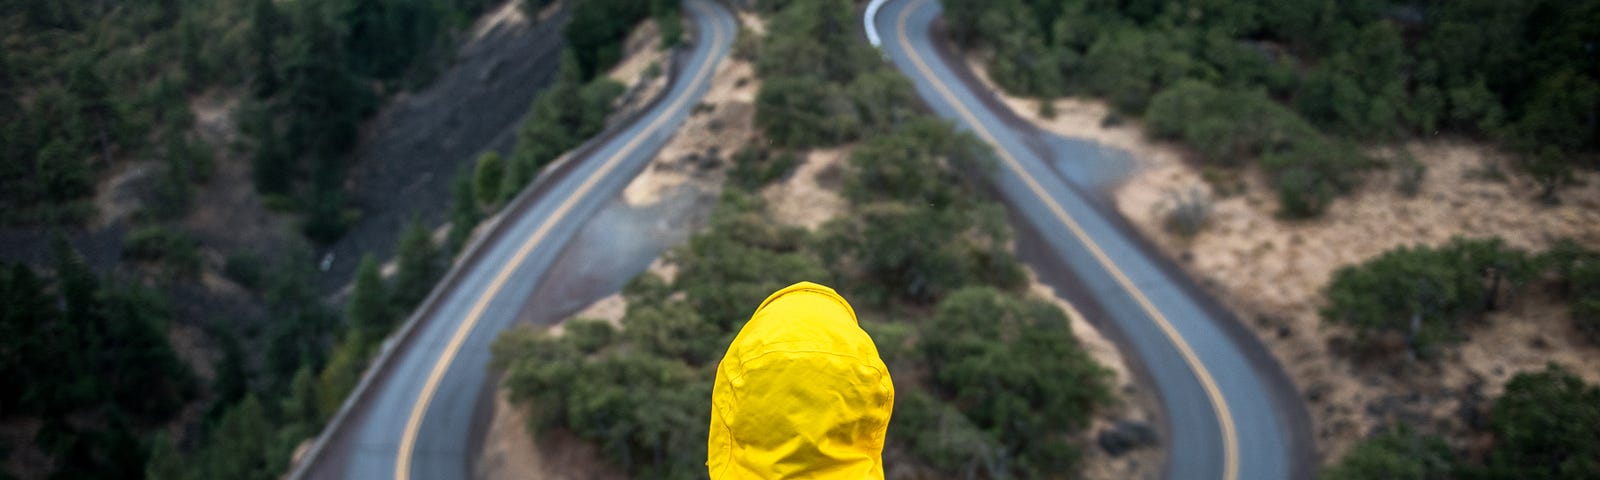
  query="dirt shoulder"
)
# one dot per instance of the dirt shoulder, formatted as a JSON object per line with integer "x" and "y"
{"x": 1270, "y": 272}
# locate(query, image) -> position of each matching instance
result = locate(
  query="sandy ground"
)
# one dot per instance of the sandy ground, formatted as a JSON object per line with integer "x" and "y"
{"x": 643, "y": 48}
{"x": 698, "y": 154}
{"x": 810, "y": 195}
{"x": 1271, "y": 272}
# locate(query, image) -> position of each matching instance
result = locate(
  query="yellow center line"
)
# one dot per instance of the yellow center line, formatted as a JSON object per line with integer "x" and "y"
{"x": 1230, "y": 443}
{"x": 408, "y": 439}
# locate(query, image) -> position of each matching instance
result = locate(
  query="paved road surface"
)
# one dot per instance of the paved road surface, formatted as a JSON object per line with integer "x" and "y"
{"x": 1230, "y": 411}
{"x": 414, "y": 418}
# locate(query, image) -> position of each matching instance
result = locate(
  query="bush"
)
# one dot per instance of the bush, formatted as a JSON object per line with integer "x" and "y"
{"x": 175, "y": 250}
{"x": 1546, "y": 426}
{"x": 804, "y": 112}
{"x": 246, "y": 269}
{"x": 1013, "y": 367}
{"x": 419, "y": 267}
{"x": 1425, "y": 293}
{"x": 1579, "y": 271}
{"x": 1188, "y": 211}
{"x": 903, "y": 251}
{"x": 755, "y": 167}
{"x": 1228, "y": 128}
{"x": 1395, "y": 453}
{"x": 1311, "y": 172}
{"x": 487, "y": 179}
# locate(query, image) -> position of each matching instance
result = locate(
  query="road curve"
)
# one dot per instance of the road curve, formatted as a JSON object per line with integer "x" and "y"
{"x": 1230, "y": 411}
{"x": 412, "y": 416}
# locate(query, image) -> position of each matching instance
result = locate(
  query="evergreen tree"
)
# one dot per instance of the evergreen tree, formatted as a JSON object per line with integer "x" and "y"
{"x": 1546, "y": 426}
{"x": 266, "y": 25}
{"x": 419, "y": 266}
{"x": 464, "y": 213}
{"x": 368, "y": 313}
{"x": 487, "y": 178}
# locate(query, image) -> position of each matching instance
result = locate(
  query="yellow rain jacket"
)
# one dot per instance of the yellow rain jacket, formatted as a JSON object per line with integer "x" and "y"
{"x": 800, "y": 394}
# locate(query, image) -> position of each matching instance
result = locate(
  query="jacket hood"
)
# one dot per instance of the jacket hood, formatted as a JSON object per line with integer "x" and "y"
{"x": 801, "y": 393}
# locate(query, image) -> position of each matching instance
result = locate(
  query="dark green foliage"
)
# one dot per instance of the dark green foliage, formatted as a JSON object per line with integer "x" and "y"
{"x": 938, "y": 433}
{"x": 903, "y": 251}
{"x": 1394, "y": 454}
{"x": 368, "y": 313}
{"x": 173, "y": 249}
{"x": 93, "y": 351}
{"x": 1012, "y": 366}
{"x": 822, "y": 87}
{"x": 924, "y": 163}
{"x": 755, "y": 167}
{"x": 302, "y": 328}
{"x": 464, "y": 211}
{"x": 419, "y": 266}
{"x": 561, "y": 118}
{"x": 1128, "y": 66}
{"x": 598, "y": 28}
{"x": 1310, "y": 172}
{"x": 804, "y": 112}
{"x": 918, "y": 231}
{"x": 810, "y": 39}
{"x": 1516, "y": 72}
{"x": 743, "y": 255}
{"x": 1546, "y": 426}
{"x": 183, "y": 165}
{"x": 1227, "y": 127}
{"x": 1425, "y": 293}
{"x": 384, "y": 37}
{"x": 487, "y": 178}
{"x": 1579, "y": 271}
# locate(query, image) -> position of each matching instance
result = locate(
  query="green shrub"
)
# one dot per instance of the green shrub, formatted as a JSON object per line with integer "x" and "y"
{"x": 171, "y": 248}
{"x": 755, "y": 167}
{"x": 1579, "y": 271}
{"x": 1228, "y": 128}
{"x": 1395, "y": 453}
{"x": 1425, "y": 293}
{"x": 1013, "y": 367}
{"x": 1546, "y": 426}
{"x": 487, "y": 179}
{"x": 1311, "y": 172}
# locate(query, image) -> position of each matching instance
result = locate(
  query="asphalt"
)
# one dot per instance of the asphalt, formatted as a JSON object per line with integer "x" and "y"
{"x": 413, "y": 415}
{"x": 1229, "y": 411}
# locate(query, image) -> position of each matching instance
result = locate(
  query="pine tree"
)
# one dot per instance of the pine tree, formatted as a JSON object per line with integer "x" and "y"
{"x": 368, "y": 314}
{"x": 420, "y": 266}
{"x": 487, "y": 178}
{"x": 464, "y": 214}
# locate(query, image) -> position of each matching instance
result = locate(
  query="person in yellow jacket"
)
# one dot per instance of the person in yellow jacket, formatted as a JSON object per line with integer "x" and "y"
{"x": 801, "y": 393}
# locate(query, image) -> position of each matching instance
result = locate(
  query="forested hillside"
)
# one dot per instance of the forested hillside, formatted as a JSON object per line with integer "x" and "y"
{"x": 94, "y": 89}
{"x": 1295, "y": 85}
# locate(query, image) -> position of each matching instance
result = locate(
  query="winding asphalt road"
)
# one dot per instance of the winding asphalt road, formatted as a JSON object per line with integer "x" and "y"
{"x": 411, "y": 417}
{"x": 1230, "y": 411}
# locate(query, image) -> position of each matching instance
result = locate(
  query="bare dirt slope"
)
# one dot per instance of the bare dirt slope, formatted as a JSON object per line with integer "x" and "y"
{"x": 1271, "y": 272}
{"x": 416, "y": 144}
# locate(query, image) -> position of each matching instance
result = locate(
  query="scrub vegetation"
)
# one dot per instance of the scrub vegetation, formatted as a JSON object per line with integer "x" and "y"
{"x": 1545, "y": 425}
{"x": 989, "y": 382}
{"x": 1292, "y": 85}
{"x": 96, "y": 387}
